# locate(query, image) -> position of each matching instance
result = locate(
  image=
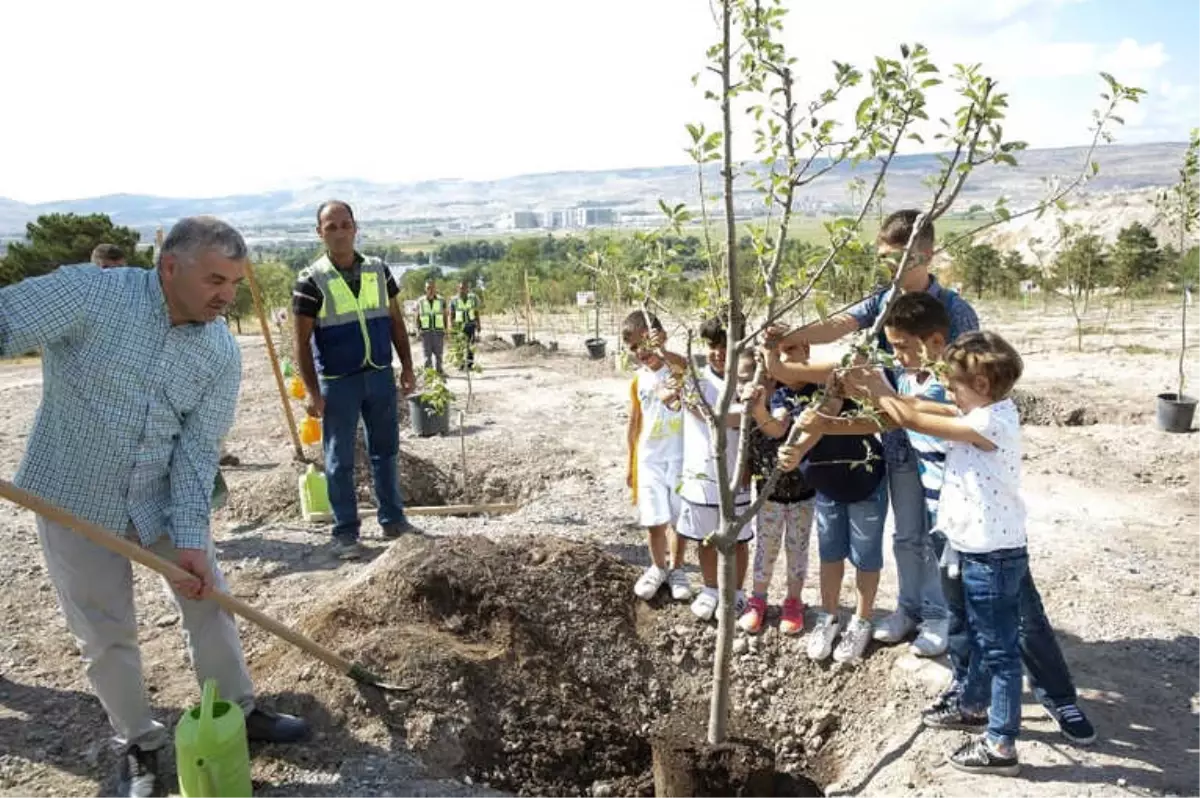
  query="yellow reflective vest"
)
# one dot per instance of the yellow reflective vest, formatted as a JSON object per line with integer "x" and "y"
{"x": 431, "y": 314}
{"x": 352, "y": 333}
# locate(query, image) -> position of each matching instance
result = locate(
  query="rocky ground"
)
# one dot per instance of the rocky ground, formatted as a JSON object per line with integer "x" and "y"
{"x": 532, "y": 669}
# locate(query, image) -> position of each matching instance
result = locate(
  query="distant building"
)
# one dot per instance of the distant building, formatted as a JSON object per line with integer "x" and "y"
{"x": 525, "y": 220}
{"x": 578, "y": 217}
{"x": 594, "y": 217}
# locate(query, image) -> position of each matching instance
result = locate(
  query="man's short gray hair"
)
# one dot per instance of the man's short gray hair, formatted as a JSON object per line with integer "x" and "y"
{"x": 196, "y": 234}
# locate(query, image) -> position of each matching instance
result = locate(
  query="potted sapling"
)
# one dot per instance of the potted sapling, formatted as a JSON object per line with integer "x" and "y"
{"x": 429, "y": 410}
{"x": 1179, "y": 205}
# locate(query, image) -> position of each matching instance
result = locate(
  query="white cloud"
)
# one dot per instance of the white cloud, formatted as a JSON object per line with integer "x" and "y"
{"x": 1129, "y": 56}
{"x": 223, "y": 97}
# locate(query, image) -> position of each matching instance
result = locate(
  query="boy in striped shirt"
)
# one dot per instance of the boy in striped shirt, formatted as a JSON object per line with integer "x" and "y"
{"x": 917, "y": 328}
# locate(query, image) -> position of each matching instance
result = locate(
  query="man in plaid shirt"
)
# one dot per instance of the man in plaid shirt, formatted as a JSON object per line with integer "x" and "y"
{"x": 140, "y": 383}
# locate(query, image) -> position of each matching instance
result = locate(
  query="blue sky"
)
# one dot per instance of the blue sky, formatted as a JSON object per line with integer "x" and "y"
{"x": 223, "y": 97}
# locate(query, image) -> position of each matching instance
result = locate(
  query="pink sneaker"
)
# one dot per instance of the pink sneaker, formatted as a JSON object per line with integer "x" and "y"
{"x": 756, "y": 612}
{"x": 791, "y": 622}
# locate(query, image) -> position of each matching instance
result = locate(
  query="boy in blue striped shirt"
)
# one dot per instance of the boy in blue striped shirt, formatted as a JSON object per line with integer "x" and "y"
{"x": 917, "y": 327}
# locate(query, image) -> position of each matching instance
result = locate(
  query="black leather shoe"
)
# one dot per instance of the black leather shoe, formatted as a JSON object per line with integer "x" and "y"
{"x": 393, "y": 531}
{"x": 139, "y": 774}
{"x": 263, "y": 725}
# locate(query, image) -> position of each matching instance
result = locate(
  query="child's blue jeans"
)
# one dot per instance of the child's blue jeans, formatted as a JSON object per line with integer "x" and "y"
{"x": 1049, "y": 676}
{"x": 991, "y": 603}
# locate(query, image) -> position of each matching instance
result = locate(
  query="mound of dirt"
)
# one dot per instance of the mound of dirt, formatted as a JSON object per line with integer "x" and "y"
{"x": 275, "y": 494}
{"x": 529, "y": 666}
{"x": 266, "y": 496}
{"x": 533, "y": 349}
{"x": 528, "y": 661}
{"x": 1045, "y": 411}
{"x": 493, "y": 343}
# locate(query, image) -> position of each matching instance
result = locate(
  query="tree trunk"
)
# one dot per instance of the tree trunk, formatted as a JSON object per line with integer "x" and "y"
{"x": 1182, "y": 336}
{"x": 718, "y": 716}
{"x": 682, "y": 767}
{"x": 718, "y": 720}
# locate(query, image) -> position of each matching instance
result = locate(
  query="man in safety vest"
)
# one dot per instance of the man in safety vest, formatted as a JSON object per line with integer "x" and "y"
{"x": 347, "y": 319}
{"x": 464, "y": 312}
{"x": 432, "y": 321}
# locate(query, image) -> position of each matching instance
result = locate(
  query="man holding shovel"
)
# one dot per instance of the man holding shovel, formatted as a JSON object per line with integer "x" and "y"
{"x": 140, "y": 384}
{"x": 347, "y": 320}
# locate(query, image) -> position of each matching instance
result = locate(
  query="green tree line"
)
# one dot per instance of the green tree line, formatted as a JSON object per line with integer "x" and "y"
{"x": 1134, "y": 263}
{"x": 65, "y": 238}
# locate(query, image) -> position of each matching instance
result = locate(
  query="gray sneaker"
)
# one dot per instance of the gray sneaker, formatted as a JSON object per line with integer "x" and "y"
{"x": 346, "y": 549}
{"x": 820, "y": 639}
{"x": 854, "y": 641}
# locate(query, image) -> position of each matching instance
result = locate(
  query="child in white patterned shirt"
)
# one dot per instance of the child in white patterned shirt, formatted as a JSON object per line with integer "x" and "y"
{"x": 982, "y": 518}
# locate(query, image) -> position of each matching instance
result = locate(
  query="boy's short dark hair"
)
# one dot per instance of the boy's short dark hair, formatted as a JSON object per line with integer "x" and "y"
{"x": 981, "y": 352}
{"x": 898, "y": 228}
{"x": 634, "y": 326}
{"x": 918, "y": 314}
{"x": 713, "y": 332}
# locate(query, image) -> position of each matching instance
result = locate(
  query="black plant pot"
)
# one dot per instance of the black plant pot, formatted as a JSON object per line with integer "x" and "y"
{"x": 1175, "y": 412}
{"x": 596, "y": 348}
{"x": 425, "y": 421}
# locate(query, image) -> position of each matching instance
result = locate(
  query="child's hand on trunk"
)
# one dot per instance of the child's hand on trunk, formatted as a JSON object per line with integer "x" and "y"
{"x": 789, "y": 457}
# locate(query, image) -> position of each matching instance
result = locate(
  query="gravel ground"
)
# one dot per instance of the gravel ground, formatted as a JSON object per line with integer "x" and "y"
{"x": 1113, "y": 521}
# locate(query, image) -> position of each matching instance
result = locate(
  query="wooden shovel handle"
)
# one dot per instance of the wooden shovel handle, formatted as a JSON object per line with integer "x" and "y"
{"x": 127, "y": 548}
{"x": 259, "y": 308}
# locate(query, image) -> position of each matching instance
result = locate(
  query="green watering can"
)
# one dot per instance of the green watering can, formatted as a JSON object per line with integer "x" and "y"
{"x": 211, "y": 752}
{"x": 314, "y": 496}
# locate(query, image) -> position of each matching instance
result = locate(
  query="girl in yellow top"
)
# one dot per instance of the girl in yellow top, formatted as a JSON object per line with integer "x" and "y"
{"x": 655, "y": 452}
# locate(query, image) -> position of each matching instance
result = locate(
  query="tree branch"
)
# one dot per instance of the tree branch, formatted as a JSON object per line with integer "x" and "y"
{"x": 837, "y": 247}
{"x": 1054, "y": 198}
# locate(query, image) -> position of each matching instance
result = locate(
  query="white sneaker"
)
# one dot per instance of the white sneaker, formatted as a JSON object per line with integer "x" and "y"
{"x": 854, "y": 641}
{"x": 932, "y": 640}
{"x": 820, "y": 639}
{"x": 895, "y": 627}
{"x": 681, "y": 588}
{"x": 649, "y": 582}
{"x": 705, "y": 604}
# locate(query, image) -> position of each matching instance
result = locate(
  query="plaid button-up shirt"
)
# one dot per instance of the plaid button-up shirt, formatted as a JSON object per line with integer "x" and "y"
{"x": 133, "y": 408}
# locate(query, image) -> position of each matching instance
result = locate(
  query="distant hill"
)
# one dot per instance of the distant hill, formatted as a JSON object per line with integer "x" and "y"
{"x": 631, "y": 191}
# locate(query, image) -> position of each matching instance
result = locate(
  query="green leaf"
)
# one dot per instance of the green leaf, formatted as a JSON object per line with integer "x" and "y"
{"x": 1061, "y": 204}
{"x": 1095, "y": 167}
{"x": 930, "y": 83}
{"x": 1003, "y": 212}
{"x": 696, "y": 131}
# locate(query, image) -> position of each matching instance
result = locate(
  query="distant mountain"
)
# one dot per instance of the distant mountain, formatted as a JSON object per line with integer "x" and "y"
{"x": 453, "y": 202}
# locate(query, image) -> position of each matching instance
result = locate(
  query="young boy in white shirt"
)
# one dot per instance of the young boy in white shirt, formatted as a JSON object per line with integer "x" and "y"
{"x": 982, "y": 518}
{"x": 918, "y": 328}
{"x": 700, "y": 513}
{"x": 655, "y": 437}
